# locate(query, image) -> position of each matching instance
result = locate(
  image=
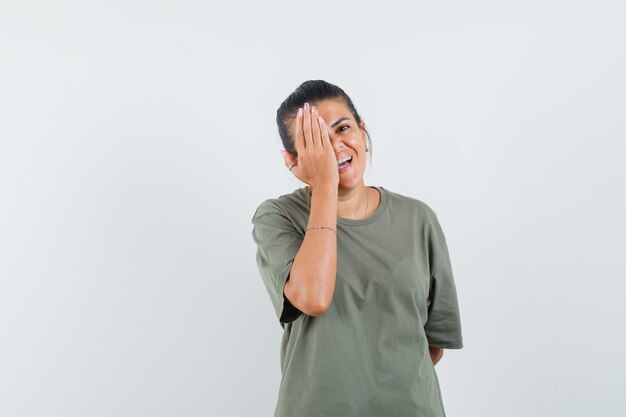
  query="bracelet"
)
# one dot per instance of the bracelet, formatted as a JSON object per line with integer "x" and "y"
{"x": 320, "y": 227}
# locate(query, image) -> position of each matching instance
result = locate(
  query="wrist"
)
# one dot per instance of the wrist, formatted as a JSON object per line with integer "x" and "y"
{"x": 326, "y": 190}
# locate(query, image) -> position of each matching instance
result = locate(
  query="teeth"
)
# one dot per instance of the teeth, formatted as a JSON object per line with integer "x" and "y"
{"x": 344, "y": 164}
{"x": 344, "y": 159}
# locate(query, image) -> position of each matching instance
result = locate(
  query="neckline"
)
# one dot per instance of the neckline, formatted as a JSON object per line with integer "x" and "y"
{"x": 357, "y": 222}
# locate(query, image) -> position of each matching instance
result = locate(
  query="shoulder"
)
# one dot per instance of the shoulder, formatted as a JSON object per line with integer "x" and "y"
{"x": 402, "y": 203}
{"x": 292, "y": 206}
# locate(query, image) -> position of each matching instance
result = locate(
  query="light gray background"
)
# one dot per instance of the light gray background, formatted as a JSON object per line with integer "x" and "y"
{"x": 138, "y": 138}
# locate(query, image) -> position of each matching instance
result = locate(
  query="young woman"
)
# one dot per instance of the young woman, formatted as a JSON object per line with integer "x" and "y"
{"x": 359, "y": 276}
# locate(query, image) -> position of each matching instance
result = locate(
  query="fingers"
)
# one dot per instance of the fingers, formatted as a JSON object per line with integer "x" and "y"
{"x": 315, "y": 161}
{"x": 324, "y": 133}
{"x": 315, "y": 128}
{"x": 311, "y": 132}
{"x": 306, "y": 127}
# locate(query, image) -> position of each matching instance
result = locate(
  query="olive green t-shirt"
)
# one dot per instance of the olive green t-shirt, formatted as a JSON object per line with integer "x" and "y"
{"x": 367, "y": 355}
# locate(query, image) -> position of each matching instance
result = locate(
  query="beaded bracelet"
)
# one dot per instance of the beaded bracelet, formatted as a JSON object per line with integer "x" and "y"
{"x": 321, "y": 227}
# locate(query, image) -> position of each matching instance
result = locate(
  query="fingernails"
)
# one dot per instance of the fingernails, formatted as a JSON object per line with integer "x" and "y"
{"x": 300, "y": 112}
{"x": 306, "y": 106}
{"x": 313, "y": 109}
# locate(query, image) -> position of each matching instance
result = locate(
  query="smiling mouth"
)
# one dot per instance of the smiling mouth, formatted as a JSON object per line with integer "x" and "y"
{"x": 345, "y": 163}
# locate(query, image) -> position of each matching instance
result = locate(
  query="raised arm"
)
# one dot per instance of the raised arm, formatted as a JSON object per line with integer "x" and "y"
{"x": 311, "y": 282}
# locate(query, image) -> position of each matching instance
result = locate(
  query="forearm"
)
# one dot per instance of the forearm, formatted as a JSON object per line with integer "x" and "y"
{"x": 311, "y": 282}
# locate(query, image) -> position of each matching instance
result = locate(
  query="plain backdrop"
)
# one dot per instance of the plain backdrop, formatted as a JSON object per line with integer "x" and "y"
{"x": 138, "y": 138}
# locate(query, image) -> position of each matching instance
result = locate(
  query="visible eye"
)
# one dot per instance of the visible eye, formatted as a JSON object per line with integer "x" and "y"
{"x": 344, "y": 127}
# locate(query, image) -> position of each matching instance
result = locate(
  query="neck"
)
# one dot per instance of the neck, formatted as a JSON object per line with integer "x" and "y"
{"x": 352, "y": 203}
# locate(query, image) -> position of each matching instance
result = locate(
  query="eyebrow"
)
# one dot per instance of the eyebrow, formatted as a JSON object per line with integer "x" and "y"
{"x": 339, "y": 121}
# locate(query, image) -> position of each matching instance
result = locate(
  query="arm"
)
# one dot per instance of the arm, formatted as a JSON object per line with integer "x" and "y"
{"x": 443, "y": 324}
{"x": 311, "y": 282}
{"x": 435, "y": 354}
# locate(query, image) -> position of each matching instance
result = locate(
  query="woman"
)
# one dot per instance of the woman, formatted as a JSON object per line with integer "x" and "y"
{"x": 359, "y": 276}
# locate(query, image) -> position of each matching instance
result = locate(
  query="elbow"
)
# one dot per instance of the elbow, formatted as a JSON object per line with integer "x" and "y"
{"x": 318, "y": 309}
{"x": 312, "y": 306}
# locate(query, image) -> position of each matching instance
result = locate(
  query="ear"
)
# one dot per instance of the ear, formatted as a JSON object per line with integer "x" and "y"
{"x": 363, "y": 127}
{"x": 287, "y": 157}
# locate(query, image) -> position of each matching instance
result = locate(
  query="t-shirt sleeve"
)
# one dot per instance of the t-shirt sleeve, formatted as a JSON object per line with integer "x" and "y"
{"x": 443, "y": 327}
{"x": 278, "y": 242}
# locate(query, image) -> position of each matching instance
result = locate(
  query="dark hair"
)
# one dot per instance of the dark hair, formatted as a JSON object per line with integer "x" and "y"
{"x": 311, "y": 91}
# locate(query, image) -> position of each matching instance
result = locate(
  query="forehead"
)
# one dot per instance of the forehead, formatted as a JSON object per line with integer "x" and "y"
{"x": 331, "y": 110}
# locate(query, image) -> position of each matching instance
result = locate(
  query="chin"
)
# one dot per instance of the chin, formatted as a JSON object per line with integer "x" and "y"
{"x": 350, "y": 184}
